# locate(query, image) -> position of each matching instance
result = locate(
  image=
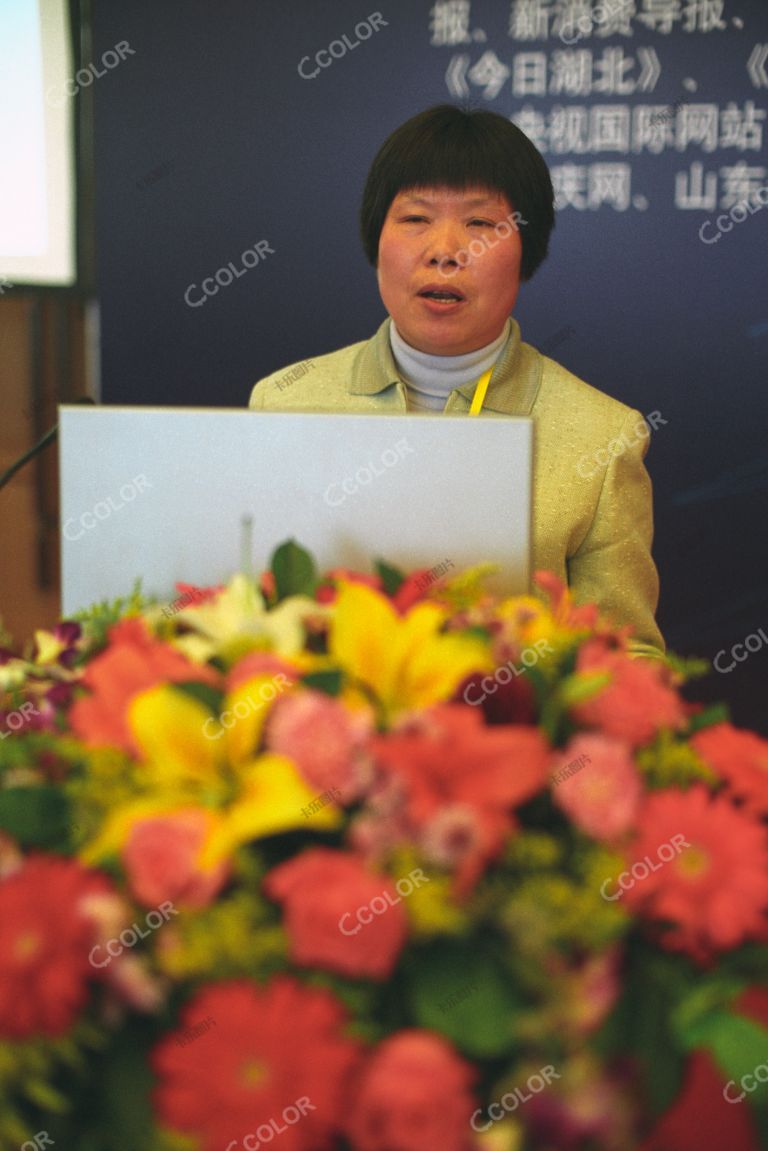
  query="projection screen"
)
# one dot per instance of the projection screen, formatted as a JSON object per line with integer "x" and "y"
{"x": 37, "y": 145}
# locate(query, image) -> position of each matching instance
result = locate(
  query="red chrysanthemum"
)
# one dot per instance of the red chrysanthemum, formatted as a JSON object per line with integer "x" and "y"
{"x": 449, "y": 759}
{"x": 702, "y": 871}
{"x": 414, "y": 1095}
{"x": 637, "y": 703}
{"x": 250, "y": 1059}
{"x": 133, "y": 662}
{"x": 45, "y": 942}
{"x": 741, "y": 758}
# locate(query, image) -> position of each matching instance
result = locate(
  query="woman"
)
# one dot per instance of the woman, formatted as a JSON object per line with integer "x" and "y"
{"x": 456, "y": 213}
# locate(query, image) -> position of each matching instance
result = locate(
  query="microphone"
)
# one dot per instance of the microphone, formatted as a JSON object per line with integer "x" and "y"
{"x": 35, "y": 450}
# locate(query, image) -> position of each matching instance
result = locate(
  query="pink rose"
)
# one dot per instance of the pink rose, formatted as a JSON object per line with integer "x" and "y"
{"x": 325, "y": 740}
{"x": 595, "y": 782}
{"x": 161, "y": 859}
{"x": 413, "y": 1094}
{"x": 339, "y": 915}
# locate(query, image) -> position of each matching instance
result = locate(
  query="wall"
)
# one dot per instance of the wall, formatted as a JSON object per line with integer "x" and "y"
{"x": 42, "y": 361}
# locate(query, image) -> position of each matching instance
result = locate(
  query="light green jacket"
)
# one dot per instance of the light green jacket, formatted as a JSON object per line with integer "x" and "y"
{"x": 592, "y": 508}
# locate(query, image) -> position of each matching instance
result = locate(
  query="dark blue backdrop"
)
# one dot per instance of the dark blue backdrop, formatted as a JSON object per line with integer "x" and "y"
{"x": 208, "y": 141}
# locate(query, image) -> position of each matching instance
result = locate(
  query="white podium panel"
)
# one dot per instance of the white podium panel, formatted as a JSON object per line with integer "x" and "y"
{"x": 163, "y": 493}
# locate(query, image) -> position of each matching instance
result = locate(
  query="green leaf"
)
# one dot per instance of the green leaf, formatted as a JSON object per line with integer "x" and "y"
{"x": 391, "y": 578}
{"x": 127, "y": 1086}
{"x": 97, "y": 619}
{"x": 738, "y": 1045}
{"x": 581, "y": 687}
{"x": 112, "y": 1105}
{"x": 328, "y": 682}
{"x": 749, "y": 963}
{"x": 542, "y": 689}
{"x": 760, "y": 1117}
{"x": 45, "y": 1096}
{"x": 202, "y": 692}
{"x": 717, "y": 713}
{"x": 35, "y": 816}
{"x": 294, "y": 570}
{"x": 465, "y": 994}
{"x": 714, "y": 993}
{"x": 640, "y": 1024}
{"x": 687, "y": 667}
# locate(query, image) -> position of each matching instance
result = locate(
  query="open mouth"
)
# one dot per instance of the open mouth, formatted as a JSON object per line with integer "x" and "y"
{"x": 442, "y": 295}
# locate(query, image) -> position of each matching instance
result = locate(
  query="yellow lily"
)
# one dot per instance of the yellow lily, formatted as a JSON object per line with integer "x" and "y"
{"x": 403, "y": 660}
{"x": 172, "y": 733}
{"x": 183, "y": 761}
{"x": 274, "y": 798}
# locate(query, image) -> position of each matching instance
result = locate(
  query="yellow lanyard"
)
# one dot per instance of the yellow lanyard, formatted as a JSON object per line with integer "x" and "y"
{"x": 480, "y": 390}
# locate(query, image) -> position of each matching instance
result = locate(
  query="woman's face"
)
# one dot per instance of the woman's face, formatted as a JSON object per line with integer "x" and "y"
{"x": 449, "y": 267}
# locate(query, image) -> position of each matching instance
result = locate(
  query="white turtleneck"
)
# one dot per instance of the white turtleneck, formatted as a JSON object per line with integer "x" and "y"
{"x": 431, "y": 379}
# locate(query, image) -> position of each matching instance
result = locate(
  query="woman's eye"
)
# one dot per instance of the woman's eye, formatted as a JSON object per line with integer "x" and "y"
{"x": 414, "y": 219}
{"x": 483, "y": 223}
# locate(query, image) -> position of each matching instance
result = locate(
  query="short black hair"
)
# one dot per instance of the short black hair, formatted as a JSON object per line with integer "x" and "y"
{"x": 451, "y": 147}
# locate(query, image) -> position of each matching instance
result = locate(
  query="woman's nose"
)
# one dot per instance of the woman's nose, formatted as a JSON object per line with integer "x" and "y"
{"x": 445, "y": 243}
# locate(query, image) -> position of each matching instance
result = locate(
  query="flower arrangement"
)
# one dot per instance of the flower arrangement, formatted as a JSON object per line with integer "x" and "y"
{"x": 372, "y": 863}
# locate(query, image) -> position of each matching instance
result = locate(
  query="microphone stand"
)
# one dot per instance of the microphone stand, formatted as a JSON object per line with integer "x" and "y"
{"x": 48, "y": 438}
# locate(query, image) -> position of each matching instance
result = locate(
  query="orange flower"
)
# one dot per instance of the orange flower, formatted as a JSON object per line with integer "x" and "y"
{"x": 322, "y": 892}
{"x": 741, "y": 758}
{"x": 566, "y": 613}
{"x": 637, "y": 703}
{"x": 133, "y": 662}
{"x": 462, "y": 780}
{"x": 711, "y": 892}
